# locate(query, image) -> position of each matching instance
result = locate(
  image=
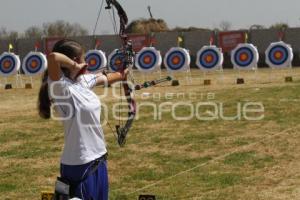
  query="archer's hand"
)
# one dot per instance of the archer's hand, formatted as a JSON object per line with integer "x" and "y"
{"x": 125, "y": 74}
{"x": 79, "y": 68}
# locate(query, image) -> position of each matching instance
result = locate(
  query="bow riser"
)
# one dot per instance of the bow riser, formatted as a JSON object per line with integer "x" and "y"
{"x": 128, "y": 54}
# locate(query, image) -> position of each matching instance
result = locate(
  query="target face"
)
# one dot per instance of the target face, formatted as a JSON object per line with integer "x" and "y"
{"x": 34, "y": 63}
{"x": 9, "y": 64}
{"x": 209, "y": 59}
{"x": 116, "y": 60}
{"x": 96, "y": 60}
{"x": 148, "y": 59}
{"x": 243, "y": 57}
{"x": 177, "y": 59}
{"x": 279, "y": 54}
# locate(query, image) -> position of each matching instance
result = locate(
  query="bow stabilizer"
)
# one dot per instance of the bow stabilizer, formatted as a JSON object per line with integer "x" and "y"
{"x": 148, "y": 84}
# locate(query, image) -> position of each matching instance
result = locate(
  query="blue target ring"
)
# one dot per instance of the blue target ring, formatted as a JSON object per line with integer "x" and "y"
{"x": 116, "y": 61}
{"x": 243, "y": 57}
{"x": 209, "y": 58}
{"x": 33, "y": 64}
{"x": 7, "y": 64}
{"x": 147, "y": 60}
{"x": 278, "y": 55}
{"x": 94, "y": 62}
{"x": 176, "y": 60}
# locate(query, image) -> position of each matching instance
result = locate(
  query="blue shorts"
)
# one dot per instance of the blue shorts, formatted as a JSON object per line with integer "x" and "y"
{"x": 93, "y": 187}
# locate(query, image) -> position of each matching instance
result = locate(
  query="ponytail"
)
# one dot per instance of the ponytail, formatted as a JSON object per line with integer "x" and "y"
{"x": 44, "y": 102}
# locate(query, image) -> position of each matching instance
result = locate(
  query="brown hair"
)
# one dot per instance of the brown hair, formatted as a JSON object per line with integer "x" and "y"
{"x": 71, "y": 49}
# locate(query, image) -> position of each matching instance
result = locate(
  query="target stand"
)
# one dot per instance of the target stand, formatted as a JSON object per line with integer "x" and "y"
{"x": 288, "y": 79}
{"x": 146, "y": 197}
{"x": 178, "y": 60}
{"x": 9, "y": 66}
{"x": 209, "y": 59}
{"x": 34, "y": 63}
{"x": 148, "y": 61}
{"x": 96, "y": 61}
{"x": 47, "y": 195}
{"x": 279, "y": 55}
{"x": 244, "y": 58}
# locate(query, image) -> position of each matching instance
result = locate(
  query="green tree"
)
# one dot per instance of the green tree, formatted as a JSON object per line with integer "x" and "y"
{"x": 8, "y": 35}
{"x": 34, "y": 32}
{"x": 62, "y": 28}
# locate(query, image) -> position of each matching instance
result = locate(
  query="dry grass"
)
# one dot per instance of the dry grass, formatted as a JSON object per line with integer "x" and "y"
{"x": 172, "y": 159}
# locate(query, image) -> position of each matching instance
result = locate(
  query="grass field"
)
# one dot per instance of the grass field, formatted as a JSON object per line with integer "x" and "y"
{"x": 189, "y": 159}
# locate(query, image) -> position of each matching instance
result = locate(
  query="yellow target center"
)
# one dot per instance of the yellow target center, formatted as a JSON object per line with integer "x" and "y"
{"x": 209, "y": 58}
{"x": 244, "y": 57}
{"x": 175, "y": 60}
{"x": 147, "y": 60}
{"x": 278, "y": 55}
{"x": 92, "y": 62}
{"x": 7, "y": 64}
{"x": 118, "y": 62}
{"x": 34, "y": 64}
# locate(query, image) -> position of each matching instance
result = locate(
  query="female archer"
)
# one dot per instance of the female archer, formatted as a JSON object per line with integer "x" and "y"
{"x": 68, "y": 89}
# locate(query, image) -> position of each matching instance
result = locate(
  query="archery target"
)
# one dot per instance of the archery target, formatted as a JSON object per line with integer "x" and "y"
{"x": 148, "y": 59}
{"x": 279, "y": 55}
{"x": 245, "y": 56}
{"x": 209, "y": 58}
{"x": 34, "y": 63}
{"x": 9, "y": 64}
{"x": 96, "y": 60}
{"x": 177, "y": 59}
{"x": 115, "y": 60}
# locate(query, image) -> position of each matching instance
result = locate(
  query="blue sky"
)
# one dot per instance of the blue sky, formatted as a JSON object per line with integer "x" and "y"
{"x": 20, "y": 14}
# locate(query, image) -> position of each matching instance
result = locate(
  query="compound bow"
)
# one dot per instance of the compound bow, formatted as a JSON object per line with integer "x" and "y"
{"x": 127, "y": 57}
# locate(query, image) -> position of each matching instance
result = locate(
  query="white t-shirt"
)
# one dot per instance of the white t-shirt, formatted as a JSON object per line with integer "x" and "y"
{"x": 79, "y": 109}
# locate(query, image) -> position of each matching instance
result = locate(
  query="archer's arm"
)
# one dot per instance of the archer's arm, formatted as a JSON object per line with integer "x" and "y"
{"x": 57, "y": 60}
{"x": 111, "y": 77}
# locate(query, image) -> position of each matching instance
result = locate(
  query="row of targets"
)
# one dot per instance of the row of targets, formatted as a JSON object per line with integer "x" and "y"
{"x": 33, "y": 63}
{"x": 147, "y": 60}
{"x": 245, "y": 57}
{"x": 209, "y": 58}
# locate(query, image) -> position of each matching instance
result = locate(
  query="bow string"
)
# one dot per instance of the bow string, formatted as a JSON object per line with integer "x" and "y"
{"x": 127, "y": 56}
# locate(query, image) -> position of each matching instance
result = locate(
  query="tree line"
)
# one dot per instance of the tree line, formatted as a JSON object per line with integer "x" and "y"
{"x": 62, "y": 28}
{"x": 58, "y": 28}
